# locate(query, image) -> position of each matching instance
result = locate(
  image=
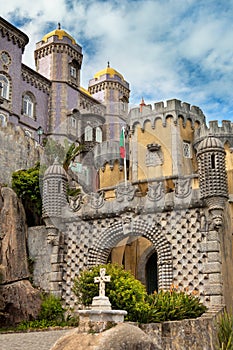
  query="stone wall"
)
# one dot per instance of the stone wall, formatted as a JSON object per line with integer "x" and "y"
{"x": 17, "y": 151}
{"x": 192, "y": 334}
{"x": 39, "y": 255}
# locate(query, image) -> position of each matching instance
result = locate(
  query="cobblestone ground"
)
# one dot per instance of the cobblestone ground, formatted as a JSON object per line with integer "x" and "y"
{"x": 30, "y": 341}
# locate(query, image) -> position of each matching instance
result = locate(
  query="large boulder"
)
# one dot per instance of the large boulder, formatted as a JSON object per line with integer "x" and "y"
{"x": 13, "y": 232}
{"x": 121, "y": 337}
{"x": 18, "y": 299}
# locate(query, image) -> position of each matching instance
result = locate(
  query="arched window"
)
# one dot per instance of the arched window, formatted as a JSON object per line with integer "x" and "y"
{"x": 98, "y": 135}
{"x": 2, "y": 120}
{"x": 88, "y": 135}
{"x": 28, "y": 105}
{"x": 4, "y": 86}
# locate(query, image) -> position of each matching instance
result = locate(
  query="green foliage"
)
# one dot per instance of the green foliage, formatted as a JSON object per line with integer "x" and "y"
{"x": 225, "y": 332}
{"x": 52, "y": 314}
{"x": 26, "y": 185}
{"x": 51, "y": 308}
{"x": 173, "y": 305}
{"x": 54, "y": 150}
{"x": 63, "y": 153}
{"x": 124, "y": 291}
{"x": 72, "y": 152}
{"x": 127, "y": 293}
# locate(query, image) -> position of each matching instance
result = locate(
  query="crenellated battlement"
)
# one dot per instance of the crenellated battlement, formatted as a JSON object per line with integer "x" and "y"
{"x": 162, "y": 110}
{"x": 224, "y": 132}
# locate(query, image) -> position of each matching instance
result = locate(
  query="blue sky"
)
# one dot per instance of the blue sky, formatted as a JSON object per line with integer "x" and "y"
{"x": 164, "y": 48}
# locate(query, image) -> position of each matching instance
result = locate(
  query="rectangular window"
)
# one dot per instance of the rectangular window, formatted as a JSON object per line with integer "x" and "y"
{"x": 73, "y": 71}
{"x": 187, "y": 149}
{"x": 73, "y": 122}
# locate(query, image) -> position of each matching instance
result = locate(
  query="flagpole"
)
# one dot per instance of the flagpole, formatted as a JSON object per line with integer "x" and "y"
{"x": 125, "y": 170}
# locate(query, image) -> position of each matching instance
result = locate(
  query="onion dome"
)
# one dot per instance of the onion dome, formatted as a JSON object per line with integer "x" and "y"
{"x": 209, "y": 143}
{"x": 60, "y": 33}
{"x": 110, "y": 72}
{"x": 55, "y": 170}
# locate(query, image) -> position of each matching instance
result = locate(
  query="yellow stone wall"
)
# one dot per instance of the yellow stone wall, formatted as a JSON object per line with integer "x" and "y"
{"x": 160, "y": 135}
{"x": 128, "y": 253}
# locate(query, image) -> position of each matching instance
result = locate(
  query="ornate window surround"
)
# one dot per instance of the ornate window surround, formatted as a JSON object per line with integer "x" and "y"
{"x": 5, "y": 81}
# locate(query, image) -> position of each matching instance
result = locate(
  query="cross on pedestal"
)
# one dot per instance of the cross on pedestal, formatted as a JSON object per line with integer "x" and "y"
{"x": 101, "y": 280}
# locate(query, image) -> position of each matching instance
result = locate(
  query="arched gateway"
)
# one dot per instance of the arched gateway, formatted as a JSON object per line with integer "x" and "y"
{"x": 129, "y": 227}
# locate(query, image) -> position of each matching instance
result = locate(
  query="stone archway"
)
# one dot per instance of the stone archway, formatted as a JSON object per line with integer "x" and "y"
{"x": 128, "y": 226}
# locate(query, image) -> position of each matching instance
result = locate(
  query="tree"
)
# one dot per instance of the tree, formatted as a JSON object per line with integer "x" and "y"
{"x": 26, "y": 185}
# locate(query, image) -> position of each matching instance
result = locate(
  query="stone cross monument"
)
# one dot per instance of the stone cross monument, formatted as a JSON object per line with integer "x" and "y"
{"x": 101, "y": 280}
{"x": 101, "y": 313}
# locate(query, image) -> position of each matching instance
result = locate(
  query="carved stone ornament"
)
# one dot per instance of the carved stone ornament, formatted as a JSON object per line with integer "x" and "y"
{"x": 182, "y": 188}
{"x": 215, "y": 220}
{"x": 125, "y": 192}
{"x": 154, "y": 155}
{"x": 75, "y": 202}
{"x": 96, "y": 199}
{"x": 156, "y": 191}
{"x": 127, "y": 224}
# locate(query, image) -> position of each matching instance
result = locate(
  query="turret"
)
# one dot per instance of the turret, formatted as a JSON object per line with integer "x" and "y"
{"x": 54, "y": 190}
{"x": 111, "y": 89}
{"x": 212, "y": 170}
{"x": 59, "y": 58}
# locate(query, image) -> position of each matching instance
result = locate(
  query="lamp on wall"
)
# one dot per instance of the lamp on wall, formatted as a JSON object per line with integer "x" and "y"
{"x": 40, "y": 132}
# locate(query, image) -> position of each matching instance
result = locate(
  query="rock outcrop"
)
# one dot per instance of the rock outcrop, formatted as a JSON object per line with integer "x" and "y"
{"x": 18, "y": 299}
{"x": 13, "y": 231}
{"x": 121, "y": 337}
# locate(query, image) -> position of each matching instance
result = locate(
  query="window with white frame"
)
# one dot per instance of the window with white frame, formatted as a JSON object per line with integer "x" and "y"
{"x": 88, "y": 134}
{"x": 73, "y": 122}
{"x": 2, "y": 120}
{"x": 28, "y": 105}
{"x": 4, "y": 86}
{"x": 187, "y": 149}
{"x": 98, "y": 134}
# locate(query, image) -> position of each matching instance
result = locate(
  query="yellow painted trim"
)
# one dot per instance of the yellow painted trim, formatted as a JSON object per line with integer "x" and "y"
{"x": 60, "y": 34}
{"x": 110, "y": 71}
{"x": 85, "y": 91}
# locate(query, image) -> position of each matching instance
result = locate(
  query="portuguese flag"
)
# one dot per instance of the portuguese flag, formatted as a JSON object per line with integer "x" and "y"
{"x": 122, "y": 143}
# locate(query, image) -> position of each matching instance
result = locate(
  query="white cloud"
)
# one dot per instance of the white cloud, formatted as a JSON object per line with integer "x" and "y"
{"x": 165, "y": 49}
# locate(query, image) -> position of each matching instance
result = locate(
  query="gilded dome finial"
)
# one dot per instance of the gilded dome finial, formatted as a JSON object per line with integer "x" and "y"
{"x": 108, "y": 65}
{"x": 59, "y": 25}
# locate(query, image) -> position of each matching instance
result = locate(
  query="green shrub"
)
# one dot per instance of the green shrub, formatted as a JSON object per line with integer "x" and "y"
{"x": 124, "y": 291}
{"x": 173, "y": 305}
{"x": 127, "y": 293}
{"x": 51, "y": 309}
{"x": 52, "y": 314}
{"x": 225, "y": 331}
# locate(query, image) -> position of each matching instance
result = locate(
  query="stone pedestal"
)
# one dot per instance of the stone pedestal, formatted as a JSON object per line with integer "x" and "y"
{"x": 101, "y": 303}
{"x": 97, "y": 321}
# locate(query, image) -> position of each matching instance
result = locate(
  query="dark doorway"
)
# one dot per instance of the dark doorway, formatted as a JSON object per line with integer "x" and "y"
{"x": 152, "y": 274}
